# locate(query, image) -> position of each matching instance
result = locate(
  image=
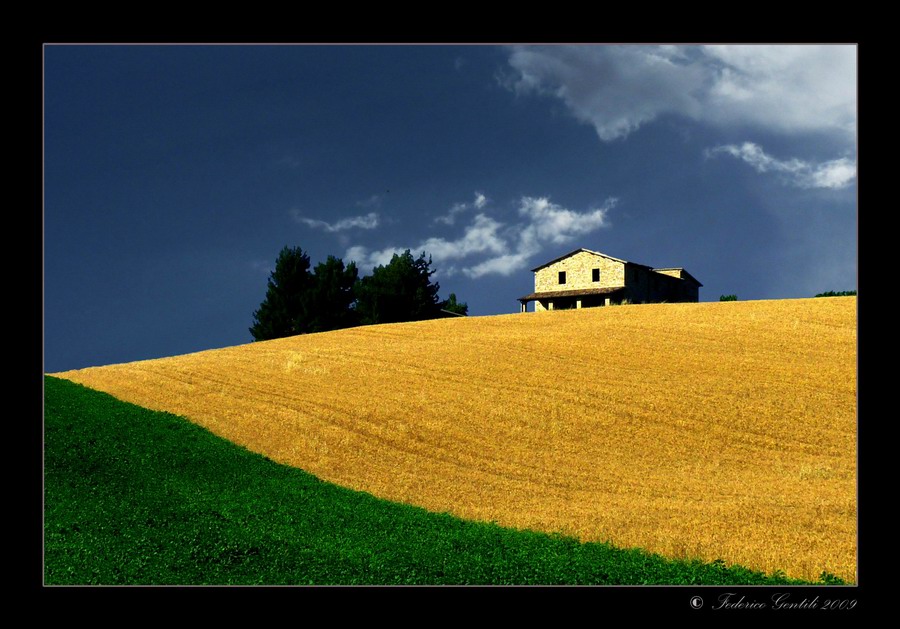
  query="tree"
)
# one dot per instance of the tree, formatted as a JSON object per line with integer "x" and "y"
{"x": 840, "y": 293}
{"x": 399, "y": 291}
{"x": 451, "y": 305}
{"x": 328, "y": 303}
{"x": 282, "y": 312}
{"x": 333, "y": 296}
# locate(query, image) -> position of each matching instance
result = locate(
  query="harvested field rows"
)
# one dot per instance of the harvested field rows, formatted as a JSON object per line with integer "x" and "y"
{"x": 715, "y": 430}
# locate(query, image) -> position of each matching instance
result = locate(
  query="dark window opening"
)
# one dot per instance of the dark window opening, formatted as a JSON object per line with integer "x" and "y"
{"x": 562, "y": 277}
{"x": 595, "y": 275}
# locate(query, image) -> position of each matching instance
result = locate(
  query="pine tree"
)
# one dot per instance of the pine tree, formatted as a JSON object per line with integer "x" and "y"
{"x": 399, "y": 291}
{"x": 328, "y": 304}
{"x": 283, "y": 311}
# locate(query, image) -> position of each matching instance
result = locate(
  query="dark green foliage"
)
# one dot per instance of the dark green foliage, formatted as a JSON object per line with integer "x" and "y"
{"x": 398, "y": 291}
{"x": 282, "y": 312}
{"x": 728, "y": 298}
{"x": 829, "y": 579}
{"x": 328, "y": 304}
{"x": 840, "y": 293}
{"x": 451, "y": 305}
{"x": 134, "y": 496}
{"x": 333, "y": 297}
{"x": 300, "y": 302}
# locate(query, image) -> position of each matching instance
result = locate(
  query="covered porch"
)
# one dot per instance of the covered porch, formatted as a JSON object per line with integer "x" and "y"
{"x": 572, "y": 299}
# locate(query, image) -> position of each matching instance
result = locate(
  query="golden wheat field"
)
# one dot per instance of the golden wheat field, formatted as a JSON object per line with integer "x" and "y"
{"x": 711, "y": 430}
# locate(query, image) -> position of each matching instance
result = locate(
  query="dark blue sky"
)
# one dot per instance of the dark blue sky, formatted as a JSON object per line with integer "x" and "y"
{"x": 175, "y": 174}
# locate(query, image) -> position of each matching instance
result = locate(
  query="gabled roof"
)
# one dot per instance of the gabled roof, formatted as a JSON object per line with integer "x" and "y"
{"x": 572, "y": 253}
{"x": 596, "y": 253}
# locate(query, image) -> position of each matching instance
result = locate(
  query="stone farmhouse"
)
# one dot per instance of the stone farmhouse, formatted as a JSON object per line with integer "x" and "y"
{"x": 585, "y": 279}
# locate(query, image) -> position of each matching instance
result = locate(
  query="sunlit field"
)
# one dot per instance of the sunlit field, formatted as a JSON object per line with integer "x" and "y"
{"x": 719, "y": 430}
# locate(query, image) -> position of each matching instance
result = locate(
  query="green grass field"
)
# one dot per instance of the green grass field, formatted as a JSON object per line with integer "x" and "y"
{"x": 134, "y": 496}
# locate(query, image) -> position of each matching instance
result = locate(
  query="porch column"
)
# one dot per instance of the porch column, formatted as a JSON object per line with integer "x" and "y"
{"x": 606, "y": 301}
{"x": 549, "y": 305}
{"x": 578, "y": 303}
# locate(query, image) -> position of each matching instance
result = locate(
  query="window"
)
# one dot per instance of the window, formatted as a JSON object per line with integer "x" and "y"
{"x": 595, "y": 275}
{"x": 562, "y": 277}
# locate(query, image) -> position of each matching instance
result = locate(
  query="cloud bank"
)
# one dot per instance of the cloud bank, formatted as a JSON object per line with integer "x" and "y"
{"x": 834, "y": 174}
{"x": 617, "y": 89}
{"x": 489, "y": 247}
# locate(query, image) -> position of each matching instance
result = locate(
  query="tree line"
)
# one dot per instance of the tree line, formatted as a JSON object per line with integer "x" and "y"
{"x": 839, "y": 293}
{"x": 302, "y": 300}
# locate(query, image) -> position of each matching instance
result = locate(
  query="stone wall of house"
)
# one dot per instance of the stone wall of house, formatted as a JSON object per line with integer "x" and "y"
{"x": 678, "y": 291}
{"x": 578, "y": 270}
{"x": 665, "y": 287}
{"x": 642, "y": 285}
{"x": 690, "y": 292}
{"x": 646, "y": 286}
{"x": 637, "y": 284}
{"x": 672, "y": 272}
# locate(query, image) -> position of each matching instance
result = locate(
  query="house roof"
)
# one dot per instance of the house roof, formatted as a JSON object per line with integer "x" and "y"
{"x": 685, "y": 275}
{"x": 596, "y": 253}
{"x": 571, "y": 293}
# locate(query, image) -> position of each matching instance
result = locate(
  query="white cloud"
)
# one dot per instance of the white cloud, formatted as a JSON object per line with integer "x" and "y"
{"x": 480, "y": 237}
{"x": 366, "y": 259}
{"x": 488, "y": 246}
{"x": 556, "y": 224}
{"x": 784, "y": 88}
{"x": 501, "y": 265}
{"x": 614, "y": 88}
{"x": 546, "y": 222}
{"x": 369, "y": 221}
{"x": 834, "y": 174}
{"x": 837, "y": 173}
{"x": 450, "y": 217}
{"x": 756, "y": 157}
